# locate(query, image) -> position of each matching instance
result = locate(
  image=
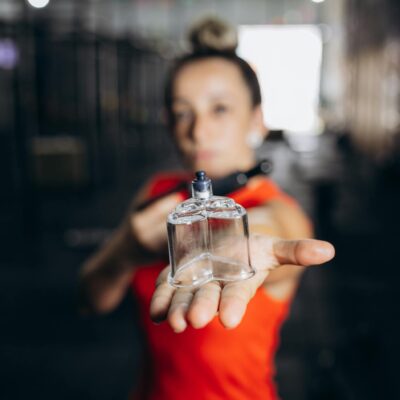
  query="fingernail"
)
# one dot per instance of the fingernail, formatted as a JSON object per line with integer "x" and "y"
{"x": 179, "y": 330}
{"x": 232, "y": 321}
{"x": 326, "y": 251}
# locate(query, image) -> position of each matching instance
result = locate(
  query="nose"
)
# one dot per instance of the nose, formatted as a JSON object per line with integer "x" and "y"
{"x": 200, "y": 129}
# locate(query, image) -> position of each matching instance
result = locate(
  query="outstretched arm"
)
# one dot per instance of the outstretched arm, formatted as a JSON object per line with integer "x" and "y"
{"x": 199, "y": 306}
{"x": 106, "y": 276}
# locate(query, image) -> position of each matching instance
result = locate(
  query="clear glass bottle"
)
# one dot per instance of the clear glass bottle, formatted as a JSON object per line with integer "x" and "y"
{"x": 208, "y": 238}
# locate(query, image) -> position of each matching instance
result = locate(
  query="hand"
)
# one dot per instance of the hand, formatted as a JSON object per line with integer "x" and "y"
{"x": 149, "y": 225}
{"x": 198, "y": 306}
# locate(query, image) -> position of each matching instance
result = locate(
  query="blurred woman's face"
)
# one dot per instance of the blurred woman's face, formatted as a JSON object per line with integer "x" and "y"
{"x": 213, "y": 117}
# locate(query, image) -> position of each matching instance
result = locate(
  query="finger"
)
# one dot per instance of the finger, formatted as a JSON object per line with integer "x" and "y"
{"x": 161, "y": 298}
{"x": 150, "y": 223}
{"x": 155, "y": 213}
{"x": 154, "y": 235}
{"x": 161, "y": 208}
{"x": 204, "y": 305}
{"x": 177, "y": 311}
{"x": 303, "y": 252}
{"x": 235, "y": 296}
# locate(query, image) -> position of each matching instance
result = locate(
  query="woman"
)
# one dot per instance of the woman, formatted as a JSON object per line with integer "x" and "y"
{"x": 213, "y": 108}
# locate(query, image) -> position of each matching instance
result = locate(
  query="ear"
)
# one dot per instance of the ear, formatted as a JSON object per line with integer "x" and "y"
{"x": 258, "y": 124}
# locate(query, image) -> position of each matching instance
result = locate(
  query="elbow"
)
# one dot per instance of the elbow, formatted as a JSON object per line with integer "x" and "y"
{"x": 91, "y": 300}
{"x": 102, "y": 305}
{"x": 94, "y": 307}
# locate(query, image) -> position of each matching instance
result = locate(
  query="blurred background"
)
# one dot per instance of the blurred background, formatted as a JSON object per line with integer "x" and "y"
{"x": 81, "y": 85}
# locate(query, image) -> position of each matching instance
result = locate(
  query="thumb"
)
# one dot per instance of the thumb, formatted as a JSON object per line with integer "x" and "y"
{"x": 303, "y": 252}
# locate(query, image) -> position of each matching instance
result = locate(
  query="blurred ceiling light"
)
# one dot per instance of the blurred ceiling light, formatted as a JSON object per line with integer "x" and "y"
{"x": 38, "y": 3}
{"x": 317, "y": 1}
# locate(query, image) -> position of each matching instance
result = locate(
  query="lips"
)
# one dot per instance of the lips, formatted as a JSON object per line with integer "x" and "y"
{"x": 205, "y": 155}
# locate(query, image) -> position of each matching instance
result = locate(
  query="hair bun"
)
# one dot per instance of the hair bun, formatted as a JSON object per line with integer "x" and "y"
{"x": 213, "y": 34}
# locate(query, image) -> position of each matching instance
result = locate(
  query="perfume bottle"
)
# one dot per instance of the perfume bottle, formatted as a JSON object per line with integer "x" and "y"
{"x": 208, "y": 238}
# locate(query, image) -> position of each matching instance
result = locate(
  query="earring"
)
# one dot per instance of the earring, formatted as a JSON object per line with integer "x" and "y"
{"x": 254, "y": 140}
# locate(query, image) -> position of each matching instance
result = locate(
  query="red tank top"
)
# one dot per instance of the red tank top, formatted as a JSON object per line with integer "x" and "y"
{"x": 212, "y": 363}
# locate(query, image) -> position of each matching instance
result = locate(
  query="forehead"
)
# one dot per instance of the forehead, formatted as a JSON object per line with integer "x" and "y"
{"x": 210, "y": 78}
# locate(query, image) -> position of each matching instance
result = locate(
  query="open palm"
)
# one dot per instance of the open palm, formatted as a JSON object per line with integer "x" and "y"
{"x": 198, "y": 306}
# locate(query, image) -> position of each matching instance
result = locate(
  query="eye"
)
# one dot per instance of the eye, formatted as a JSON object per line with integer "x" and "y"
{"x": 220, "y": 109}
{"x": 182, "y": 116}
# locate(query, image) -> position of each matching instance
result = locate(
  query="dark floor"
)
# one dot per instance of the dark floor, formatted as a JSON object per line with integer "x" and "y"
{"x": 340, "y": 342}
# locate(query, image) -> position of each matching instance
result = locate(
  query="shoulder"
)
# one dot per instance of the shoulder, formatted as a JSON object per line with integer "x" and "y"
{"x": 260, "y": 190}
{"x": 160, "y": 183}
{"x": 291, "y": 219}
{"x": 291, "y": 223}
{"x": 156, "y": 185}
{"x": 274, "y": 212}
{"x": 164, "y": 181}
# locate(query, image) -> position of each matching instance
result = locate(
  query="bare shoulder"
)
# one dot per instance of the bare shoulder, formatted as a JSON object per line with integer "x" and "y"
{"x": 292, "y": 221}
{"x": 280, "y": 218}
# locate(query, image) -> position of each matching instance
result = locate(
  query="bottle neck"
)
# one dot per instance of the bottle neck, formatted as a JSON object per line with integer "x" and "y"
{"x": 204, "y": 195}
{"x": 201, "y": 186}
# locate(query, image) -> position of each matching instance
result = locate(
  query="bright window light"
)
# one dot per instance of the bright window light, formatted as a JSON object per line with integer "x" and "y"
{"x": 38, "y": 3}
{"x": 287, "y": 59}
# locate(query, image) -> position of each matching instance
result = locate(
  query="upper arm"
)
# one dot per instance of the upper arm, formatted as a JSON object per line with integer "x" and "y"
{"x": 278, "y": 218}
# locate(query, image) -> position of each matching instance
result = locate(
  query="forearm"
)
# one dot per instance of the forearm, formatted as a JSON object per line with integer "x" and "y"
{"x": 106, "y": 276}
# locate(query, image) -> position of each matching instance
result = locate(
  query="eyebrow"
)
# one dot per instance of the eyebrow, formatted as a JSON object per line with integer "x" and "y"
{"x": 179, "y": 100}
{"x": 219, "y": 97}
